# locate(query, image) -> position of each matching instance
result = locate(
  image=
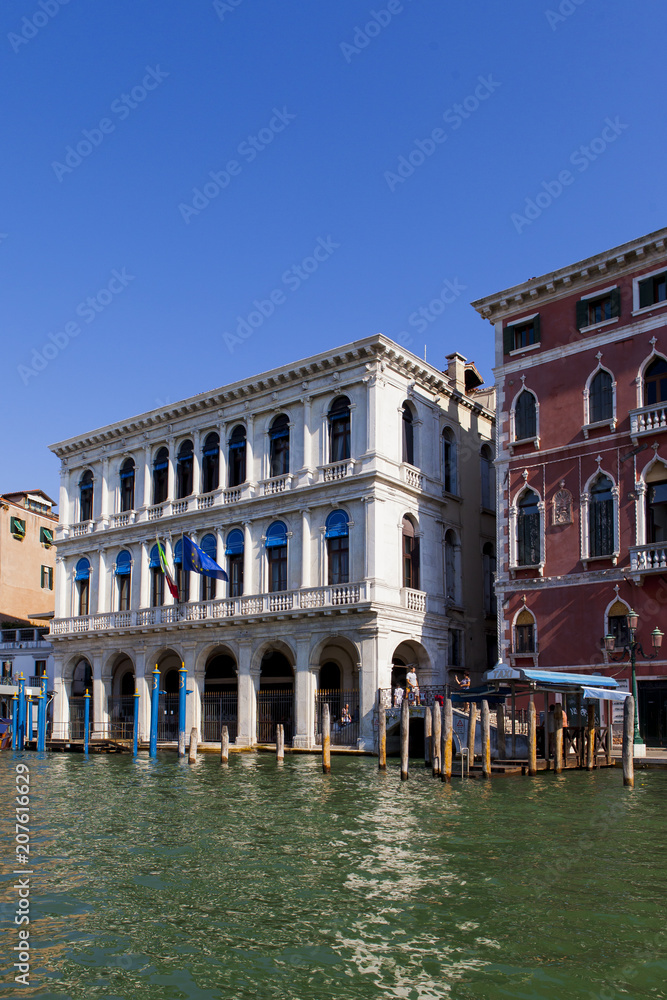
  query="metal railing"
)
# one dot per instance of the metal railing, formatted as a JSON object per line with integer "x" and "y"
{"x": 219, "y": 708}
{"x": 275, "y": 705}
{"x": 120, "y": 712}
{"x": 344, "y": 715}
{"x": 167, "y": 723}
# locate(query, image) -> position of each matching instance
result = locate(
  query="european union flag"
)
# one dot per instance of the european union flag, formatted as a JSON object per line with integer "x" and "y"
{"x": 196, "y": 560}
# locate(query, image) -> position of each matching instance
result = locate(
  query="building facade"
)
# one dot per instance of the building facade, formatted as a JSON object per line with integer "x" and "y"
{"x": 27, "y": 555}
{"x": 581, "y": 380}
{"x": 349, "y": 497}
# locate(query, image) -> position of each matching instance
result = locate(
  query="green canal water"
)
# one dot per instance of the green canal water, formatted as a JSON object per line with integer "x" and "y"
{"x": 159, "y": 879}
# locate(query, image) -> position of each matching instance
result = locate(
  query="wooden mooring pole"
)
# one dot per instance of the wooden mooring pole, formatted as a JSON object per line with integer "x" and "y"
{"x": 280, "y": 741}
{"x": 590, "y": 741}
{"x": 382, "y": 734}
{"x": 405, "y": 738}
{"x": 224, "y": 745}
{"x": 500, "y": 730}
{"x": 628, "y": 741}
{"x": 558, "y": 738}
{"x": 472, "y": 730}
{"x": 532, "y": 737}
{"x": 447, "y": 741}
{"x": 486, "y": 740}
{"x": 428, "y": 737}
{"x": 194, "y": 739}
{"x": 326, "y": 740}
{"x": 437, "y": 740}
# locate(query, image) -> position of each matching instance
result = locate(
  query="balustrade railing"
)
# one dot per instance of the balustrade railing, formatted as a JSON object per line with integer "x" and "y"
{"x": 276, "y": 485}
{"x": 648, "y": 419}
{"x": 413, "y": 600}
{"x": 231, "y": 607}
{"x": 649, "y": 558}
{"x": 337, "y": 470}
{"x": 82, "y": 528}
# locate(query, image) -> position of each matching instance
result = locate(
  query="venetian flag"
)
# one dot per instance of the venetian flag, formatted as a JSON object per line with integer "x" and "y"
{"x": 173, "y": 589}
{"x": 196, "y": 560}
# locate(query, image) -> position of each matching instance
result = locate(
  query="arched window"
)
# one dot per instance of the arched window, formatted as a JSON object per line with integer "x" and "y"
{"x": 656, "y": 504}
{"x": 209, "y": 545}
{"x": 236, "y": 463}
{"x": 525, "y": 416}
{"x": 234, "y": 553}
{"x": 488, "y": 477}
{"x": 617, "y": 624}
{"x": 408, "y": 435}
{"x": 410, "y": 555}
{"x": 601, "y": 518}
{"x": 600, "y": 397}
{"x": 127, "y": 485}
{"x": 529, "y": 547}
{"x": 655, "y": 383}
{"x": 182, "y": 576}
{"x": 276, "y": 549}
{"x": 524, "y": 632}
{"x": 452, "y": 574}
{"x": 210, "y": 465}
{"x": 338, "y": 547}
{"x": 489, "y": 569}
{"x": 184, "y": 470}
{"x": 82, "y": 580}
{"x": 450, "y": 460}
{"x": 339, "y": 429}
{"x": 86, "y": 496}
{"x": 123, "y": 579}
{"x": 157, "y": 579}
{"x": 160, "y": 475}
{"x": 279, "y": 446}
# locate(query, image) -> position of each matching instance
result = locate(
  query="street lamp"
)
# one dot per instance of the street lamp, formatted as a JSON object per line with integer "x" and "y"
{"x": 632, "y": 648}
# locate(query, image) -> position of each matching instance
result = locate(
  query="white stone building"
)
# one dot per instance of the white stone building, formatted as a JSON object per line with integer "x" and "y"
{"x": 349, "y": 497}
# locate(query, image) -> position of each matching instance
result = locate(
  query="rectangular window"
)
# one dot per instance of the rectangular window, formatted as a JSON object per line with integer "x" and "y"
{"x": 157, "y": 588}
{"x": 40, "y": 668}
{"x": 46, "y": 537}
{"x": 235, "y": 573}
{"x": 17, "y": 527}
{"x": 522, "y": 334}
{"x": 618, "y": 627}
{"x": 47, "y": 578}
{"x": 653, "y": 290}
{"x": 525, "y": 639}
{"x": 598, "y": 309}
{"x": 124, "y": 592}
{"x": 338, "y": 560}
{"x": 277, "y": 568}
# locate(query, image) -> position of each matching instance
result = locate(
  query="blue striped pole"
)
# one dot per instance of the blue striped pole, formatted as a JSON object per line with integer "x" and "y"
{"x": 182, "y": 678}
{"x": 15, "y": 722}
{"x": 155, "y": 708}
{"x": 86, "y": 721}
{"x": 21, "y": 720}
{"x": 41, "y": 715}
{"x": 135, "y": 727}
{"x": 28, "y": 718}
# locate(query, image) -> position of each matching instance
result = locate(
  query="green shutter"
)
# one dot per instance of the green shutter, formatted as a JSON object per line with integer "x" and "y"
{"x": 508, "y": 339}
{"x": 536, "y": 325}
{"x": 615, "y": 302}
{"x": 582, "y": 313}
{"x": 646, "y": 293}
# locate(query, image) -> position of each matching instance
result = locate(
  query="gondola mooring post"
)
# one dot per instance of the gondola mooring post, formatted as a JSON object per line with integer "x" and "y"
{"x": 135, "y": 725}
{"x": 405, "y": 738}
{"x": 21, "y": 715}
{"x": 382, "y": 733}
{"x": 41, "y": 714}
{"x": 182, "y": 683}
{"x": 15, "y": 722}
{"x": 86, "y": 721}
{"x": 155, "y": 708}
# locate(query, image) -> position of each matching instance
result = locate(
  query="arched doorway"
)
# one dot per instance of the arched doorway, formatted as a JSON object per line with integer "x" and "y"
{"x": 338, "y": 687}
{"x": 167, "y": 726}
{"x": 220, "y": 699}
{"x": 275, "y": 698}
{"x": 120, "y": 705}
{"x": 82, "y": 681}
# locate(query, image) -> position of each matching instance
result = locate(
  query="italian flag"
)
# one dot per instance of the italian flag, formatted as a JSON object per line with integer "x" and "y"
{"x": 173, "y": 589}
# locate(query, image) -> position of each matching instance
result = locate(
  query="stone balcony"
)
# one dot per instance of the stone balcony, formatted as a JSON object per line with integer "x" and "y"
{"x": 413, "y": 600}
{"x": 648, "y": 420}
{"x": 291, "y": 603}
{"x": 648, "y": 559}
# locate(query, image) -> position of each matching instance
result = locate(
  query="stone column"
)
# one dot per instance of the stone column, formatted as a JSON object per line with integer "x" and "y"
{"x": 305, "y": 547}
{"x": 169, "y": 554}
{"x": 307, "y": 439}
{"x": 60, "y": 716}
{"x": 248, "y": 686}
{"x": 102, "y": 590}
{"x": 104, "y": 489}
{"x": 100, "y": 693}
{"x": 64, "y": 504}
{"x": 250, "y": 450}
{"x": 196, "y": 685}
{"x": 250, "y": 584}
{"x": 144, "y": 575}
{"x": 62, "y": 596}
{"x": 146, "y": 497}
{"x": 171, "y": 469}
{"x": 196, "y": 463}
{"x": 369, "y": 537}
{"x": 304, "y": 695}
{"x": 375, "y": 672}
{"x": 143, "y": 686}
{"x": 222, "y": 468}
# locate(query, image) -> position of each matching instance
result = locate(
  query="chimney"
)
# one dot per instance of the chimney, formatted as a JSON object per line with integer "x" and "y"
{"x": 456, "y": 370}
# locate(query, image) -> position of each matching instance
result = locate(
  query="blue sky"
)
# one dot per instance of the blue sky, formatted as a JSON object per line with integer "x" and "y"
{"x": 399, "y": 140}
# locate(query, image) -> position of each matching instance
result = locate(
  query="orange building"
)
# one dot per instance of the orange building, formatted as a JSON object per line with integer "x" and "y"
{"x": 27, "y": 555}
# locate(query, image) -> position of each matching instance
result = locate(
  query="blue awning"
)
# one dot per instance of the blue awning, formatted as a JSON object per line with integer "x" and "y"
{"x": 336, "y": 525}
{"x": 123, "y": 563}
{"x": 82, "y": 570}
{"x": 127, "y": 475}
{"x": 556, "y": 679}
{"x": 234, "y": 545}
{"x": 155, "y": 559}
{"x": 276, "y": 536}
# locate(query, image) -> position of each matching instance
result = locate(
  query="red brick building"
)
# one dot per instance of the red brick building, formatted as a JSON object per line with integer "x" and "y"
{"x": 581, "y": 377}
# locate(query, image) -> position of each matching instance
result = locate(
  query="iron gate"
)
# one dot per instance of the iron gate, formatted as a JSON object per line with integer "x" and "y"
{"x": 77, "y": 717}
{"x": 274, "y": 707}
{"x": 344, "y": 714}
{"x": 121, "y": 717}
{"x": 167, "y": 722}
{"x": 219, "y": 708}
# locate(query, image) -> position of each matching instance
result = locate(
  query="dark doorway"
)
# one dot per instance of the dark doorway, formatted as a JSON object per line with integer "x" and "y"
{"x": 652, "y": 697}
{"x": 220, "y": 701}
{"x": 275, "y": 698}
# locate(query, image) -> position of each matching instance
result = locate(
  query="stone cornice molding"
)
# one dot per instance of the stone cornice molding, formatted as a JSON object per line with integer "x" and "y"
{"x": 584, "y": 274}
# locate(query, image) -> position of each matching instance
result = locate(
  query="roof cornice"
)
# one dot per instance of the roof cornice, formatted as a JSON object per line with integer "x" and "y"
{"x": 580, "y": 276}
{"x": 377, "y": 348}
